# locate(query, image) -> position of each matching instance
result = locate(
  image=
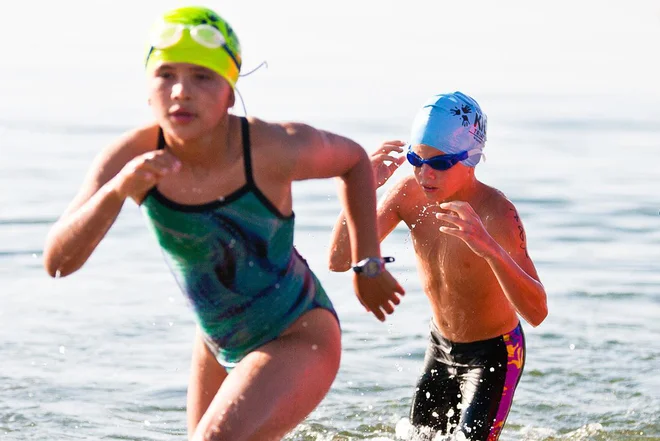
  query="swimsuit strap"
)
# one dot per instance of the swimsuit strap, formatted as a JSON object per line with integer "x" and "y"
{"x": 161, "y": 139}
{"x": 245, "y": 131}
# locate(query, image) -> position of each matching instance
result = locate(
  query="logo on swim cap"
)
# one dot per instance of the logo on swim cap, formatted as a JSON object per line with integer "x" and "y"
{"x": 451, "y": 123}
{"x": 198, "y": 36}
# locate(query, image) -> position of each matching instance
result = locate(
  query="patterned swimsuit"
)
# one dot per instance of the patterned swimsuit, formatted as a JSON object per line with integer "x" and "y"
{"x": 235, "y": 262}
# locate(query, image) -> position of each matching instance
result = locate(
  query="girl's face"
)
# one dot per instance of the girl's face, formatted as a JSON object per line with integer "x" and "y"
{"x": 188, "y": 100}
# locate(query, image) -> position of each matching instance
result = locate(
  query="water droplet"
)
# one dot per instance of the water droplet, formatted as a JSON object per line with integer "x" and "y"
{"x": 460, "y": 436}
{"x": 170, "y": 323}
{"x": 492, "y": 369}
{"x": 304, "y": 324}
{"x": 34, "y": 255}
{"x": 428, "y": 395}
{"x": 250, "y": 264}
{"x": 277, "y": 286}
{"x": 435, "y": 415}
{"x": 315, "y": 347}
{"x": 58, "y": 274}
{"x": 62, "y": 349}
{"x": 571, "y": 346}
{"x": 403, "y": 429}
{"x": 147, "y": 423}
{"x": 221, "y": 199}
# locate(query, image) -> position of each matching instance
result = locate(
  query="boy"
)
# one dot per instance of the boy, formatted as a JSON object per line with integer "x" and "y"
{"x": 473, "y": 264}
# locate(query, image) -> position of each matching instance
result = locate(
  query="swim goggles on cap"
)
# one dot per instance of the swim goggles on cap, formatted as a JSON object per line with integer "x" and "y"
{"x": 440, "y": 162}
{"x": 169, "y": 34}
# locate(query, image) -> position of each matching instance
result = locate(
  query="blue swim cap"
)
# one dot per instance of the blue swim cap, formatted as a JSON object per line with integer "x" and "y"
{"x": 451, "y": 123}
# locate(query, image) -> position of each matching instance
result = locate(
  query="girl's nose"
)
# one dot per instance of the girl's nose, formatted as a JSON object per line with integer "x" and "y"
{"x": 179, "y": 90}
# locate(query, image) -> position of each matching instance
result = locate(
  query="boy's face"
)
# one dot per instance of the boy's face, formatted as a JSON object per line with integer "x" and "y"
{"x": 187, "y": 99}
{"x": 439, "y": 185}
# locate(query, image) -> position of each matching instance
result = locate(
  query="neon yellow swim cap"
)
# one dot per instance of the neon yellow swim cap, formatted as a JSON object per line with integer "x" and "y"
{"x": 198, "y": 36}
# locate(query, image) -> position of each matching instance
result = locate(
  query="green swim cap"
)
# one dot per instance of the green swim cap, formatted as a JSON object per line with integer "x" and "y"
{"x": 198, "y": 36}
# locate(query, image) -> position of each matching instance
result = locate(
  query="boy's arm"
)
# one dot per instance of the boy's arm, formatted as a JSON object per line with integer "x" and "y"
{"x": 516, "y": 272}
{"x": 506, "y": 253}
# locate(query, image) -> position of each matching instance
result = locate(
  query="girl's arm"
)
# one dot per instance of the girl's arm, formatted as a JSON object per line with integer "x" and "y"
{"x": 383, "y": 165}
{"x": 116, "y": 173}
{"x": 321, "y": 154}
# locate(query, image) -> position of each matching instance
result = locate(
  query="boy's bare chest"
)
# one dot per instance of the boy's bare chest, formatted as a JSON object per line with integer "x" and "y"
{"x": 441, "y": 255}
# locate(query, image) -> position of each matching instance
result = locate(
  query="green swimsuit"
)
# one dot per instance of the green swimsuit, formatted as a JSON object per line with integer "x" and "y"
{"x": 235, "y": 262}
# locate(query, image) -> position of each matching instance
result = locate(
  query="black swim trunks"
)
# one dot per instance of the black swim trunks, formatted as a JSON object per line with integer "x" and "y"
{"x": 467, "y": 387}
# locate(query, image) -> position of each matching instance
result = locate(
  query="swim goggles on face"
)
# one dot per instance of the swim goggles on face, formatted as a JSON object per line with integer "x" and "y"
{"x": 169, "y": 34}
{"x": 440, "y": 162}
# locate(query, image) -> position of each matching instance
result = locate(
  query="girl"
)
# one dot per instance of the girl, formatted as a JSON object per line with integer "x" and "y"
{"x": 216, "y": 192}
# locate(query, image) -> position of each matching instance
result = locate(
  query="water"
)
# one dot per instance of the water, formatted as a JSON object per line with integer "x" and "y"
{"x": 104, "y": 354}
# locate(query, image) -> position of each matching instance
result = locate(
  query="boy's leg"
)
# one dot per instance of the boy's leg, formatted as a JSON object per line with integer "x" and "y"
{"x": 276, "y": 386}
{"x": 436, "y": 394}
{"x": 488, "y": 389}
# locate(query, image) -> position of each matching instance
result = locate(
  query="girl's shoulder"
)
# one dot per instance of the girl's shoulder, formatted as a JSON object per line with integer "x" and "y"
{"x": 281, "y": 142}
{"x": 111, "y": 159}
{"x": 137, "y": 141}
{"x": 275, "y": 133}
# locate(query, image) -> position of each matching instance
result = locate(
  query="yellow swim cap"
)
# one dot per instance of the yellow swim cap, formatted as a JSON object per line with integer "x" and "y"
{"x": 198, "y": 36}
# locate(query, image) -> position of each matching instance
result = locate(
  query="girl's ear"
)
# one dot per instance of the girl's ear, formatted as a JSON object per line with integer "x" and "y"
{"x": 232, "y": 100}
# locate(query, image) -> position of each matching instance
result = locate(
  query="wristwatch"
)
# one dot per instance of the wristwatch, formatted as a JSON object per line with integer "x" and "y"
{"x": 372, "y": 266}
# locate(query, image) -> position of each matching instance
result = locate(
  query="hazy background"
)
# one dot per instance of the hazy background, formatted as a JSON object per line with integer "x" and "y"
{"x": 573, "y": 102}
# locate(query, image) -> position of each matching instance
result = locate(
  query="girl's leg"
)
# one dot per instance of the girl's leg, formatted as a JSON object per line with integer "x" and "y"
{"x": 206, "y": 376}
{"x": 276, "y": 386}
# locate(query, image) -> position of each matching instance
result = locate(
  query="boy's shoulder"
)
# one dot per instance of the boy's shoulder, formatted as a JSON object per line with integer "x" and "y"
{"x": 492, "y": 198}
{"x": 495, "y": 208}
{"x": 405, "y": 189}
{"x": 405, "y": 196}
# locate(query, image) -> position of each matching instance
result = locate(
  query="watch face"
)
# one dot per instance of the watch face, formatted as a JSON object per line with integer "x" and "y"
{"x": 371, "y": 268}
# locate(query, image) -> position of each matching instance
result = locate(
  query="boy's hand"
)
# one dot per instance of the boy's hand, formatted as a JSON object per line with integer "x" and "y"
{"x": 467, "y": 226}
{"x": 378, "y": 294}
{"x": 383, "y": 161}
